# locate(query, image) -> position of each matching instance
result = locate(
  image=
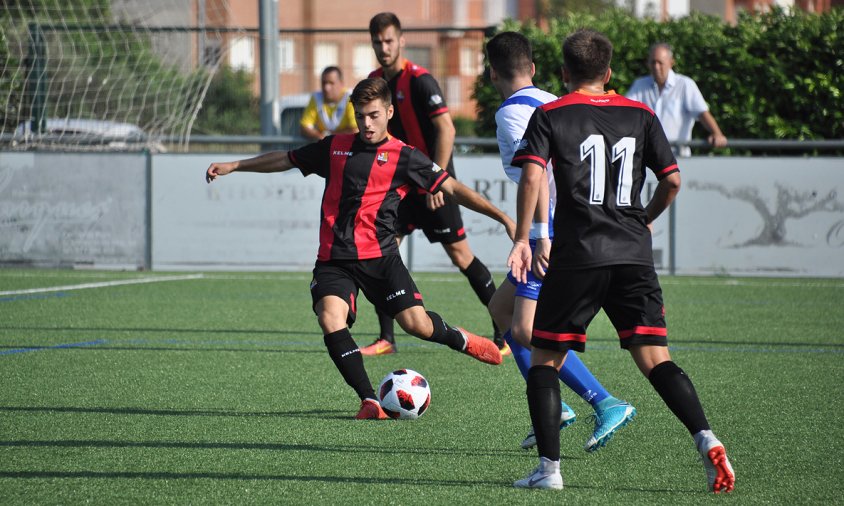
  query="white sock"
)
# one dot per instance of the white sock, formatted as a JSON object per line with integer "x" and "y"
{"x": 705, "y": 439}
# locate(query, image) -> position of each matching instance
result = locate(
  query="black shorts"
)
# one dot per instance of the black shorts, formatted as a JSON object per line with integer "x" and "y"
{"x": 630, "y": 295}
{"x": 384, "y": 281}
{"x": 444, "y": 225}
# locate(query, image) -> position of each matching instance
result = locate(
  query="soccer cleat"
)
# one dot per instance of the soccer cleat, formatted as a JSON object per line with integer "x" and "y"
{"x": 503, "y": 347}
{"x": 719, "y": 473}
{"x": 566, "y": 418}
{"x": 370, "y": 410}
{"x": 480, "y": 348}
{"x": 379, "y": 347}
{"x": 607, "y": 422}
{"x": 545, "y": 476}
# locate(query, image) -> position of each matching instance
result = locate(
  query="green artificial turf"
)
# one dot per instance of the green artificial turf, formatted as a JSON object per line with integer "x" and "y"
{"x": 218, "y": 390}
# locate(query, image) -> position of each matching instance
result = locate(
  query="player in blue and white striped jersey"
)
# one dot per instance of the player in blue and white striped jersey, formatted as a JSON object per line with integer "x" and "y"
{"x": 514, "y": 303}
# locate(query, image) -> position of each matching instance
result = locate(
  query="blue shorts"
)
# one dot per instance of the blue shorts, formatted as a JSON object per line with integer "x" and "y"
{"x": 529, "y": 290}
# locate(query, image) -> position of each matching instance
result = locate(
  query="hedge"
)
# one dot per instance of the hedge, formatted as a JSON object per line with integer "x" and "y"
{"x": 778, "y": 75}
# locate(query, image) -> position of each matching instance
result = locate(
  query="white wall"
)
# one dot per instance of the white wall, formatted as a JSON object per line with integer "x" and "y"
{"x": 736, "y": 216}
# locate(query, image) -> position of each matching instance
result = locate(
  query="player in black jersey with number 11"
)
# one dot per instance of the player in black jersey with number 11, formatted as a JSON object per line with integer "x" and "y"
{"x": 601, "y": 256}
{"x": 366, "y": 176}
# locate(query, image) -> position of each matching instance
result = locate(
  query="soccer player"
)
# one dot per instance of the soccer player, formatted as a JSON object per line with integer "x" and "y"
{"x": 329, "y": 110}
{"x": 423, "y": 121}
{"x": 511, "y": 72}
{"x": 366, "y": 175}
{"x": 601, "y": 256}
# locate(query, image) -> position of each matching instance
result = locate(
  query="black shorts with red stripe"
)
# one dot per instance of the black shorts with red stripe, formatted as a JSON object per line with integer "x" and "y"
{"x": 630, "y": 295}
{"x": 384, "y": 281}
{"x": 443, "y": 225}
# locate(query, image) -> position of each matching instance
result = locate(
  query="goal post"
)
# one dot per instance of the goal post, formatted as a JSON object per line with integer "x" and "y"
{"x": 101, "y": 74}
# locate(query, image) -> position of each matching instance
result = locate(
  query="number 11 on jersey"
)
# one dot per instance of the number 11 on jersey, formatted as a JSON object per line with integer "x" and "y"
{"x": 594, "y": 148}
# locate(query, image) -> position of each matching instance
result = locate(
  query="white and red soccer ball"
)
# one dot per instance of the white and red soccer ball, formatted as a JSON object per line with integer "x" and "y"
{"x": 404, "y": 394}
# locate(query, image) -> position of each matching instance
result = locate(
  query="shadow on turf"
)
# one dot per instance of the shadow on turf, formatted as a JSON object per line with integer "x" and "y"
{"x": 234, "y": 476}
{"x": 281, "y": 447}
{"x": 381, "y": 480}
{"x": 315, "y": 413}
{"x": 612, "y": 340}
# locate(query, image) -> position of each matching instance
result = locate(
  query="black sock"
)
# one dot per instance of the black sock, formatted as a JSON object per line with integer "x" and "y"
{"x": 445, "y": 334}
{"x": 346, "y": 356}
{"x": 480, "y": 280}
{"x": 543, "y": 393}
{"x": 676, "y": 389}
{"x": 385, "y": 323}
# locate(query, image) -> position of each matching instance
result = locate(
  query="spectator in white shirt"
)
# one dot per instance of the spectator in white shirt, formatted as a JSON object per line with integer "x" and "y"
{"x": 675, "y": 99}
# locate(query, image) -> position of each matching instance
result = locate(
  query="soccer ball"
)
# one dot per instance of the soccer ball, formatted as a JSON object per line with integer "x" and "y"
{"x": 404, "y": 394}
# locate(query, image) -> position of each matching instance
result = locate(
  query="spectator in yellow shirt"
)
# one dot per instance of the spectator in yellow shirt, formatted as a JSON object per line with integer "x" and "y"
{"x": 329, "y": 110}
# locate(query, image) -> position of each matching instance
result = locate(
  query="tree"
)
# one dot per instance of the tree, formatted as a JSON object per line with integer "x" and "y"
{"x": 229, "y": 106}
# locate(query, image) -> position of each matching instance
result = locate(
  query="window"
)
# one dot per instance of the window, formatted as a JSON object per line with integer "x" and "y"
{"x": 325, "y": 54}
{"x": 286, "y": 55}
{"x": 363, "y": 61}
{"x": 419, "y": 55}
{"x": 470, "y": 62}
{"x": 242, "y": 55}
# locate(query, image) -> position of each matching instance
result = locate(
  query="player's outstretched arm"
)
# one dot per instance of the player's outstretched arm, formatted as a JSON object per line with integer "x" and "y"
{"x": 274, "y": 161}
{"x": 473, "y": 200}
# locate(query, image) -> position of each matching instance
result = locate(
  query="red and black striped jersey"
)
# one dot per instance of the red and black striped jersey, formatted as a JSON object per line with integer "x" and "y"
{"x": 364, "y": 184}
{"x": 416, "y": 99}
{"x": 600, "y": 146}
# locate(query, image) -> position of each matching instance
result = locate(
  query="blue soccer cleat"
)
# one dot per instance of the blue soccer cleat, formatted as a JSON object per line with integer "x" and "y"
{"x": 607, "y": 422}
{"x": 566, "y": 418}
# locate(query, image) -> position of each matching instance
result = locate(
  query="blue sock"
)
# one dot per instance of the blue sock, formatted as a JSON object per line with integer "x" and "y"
{"x": 576, "y": 376}
{"x": 520, "y": 354}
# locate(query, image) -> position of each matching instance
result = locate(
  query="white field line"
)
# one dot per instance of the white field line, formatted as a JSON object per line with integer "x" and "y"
{"x": 103, "y": 284}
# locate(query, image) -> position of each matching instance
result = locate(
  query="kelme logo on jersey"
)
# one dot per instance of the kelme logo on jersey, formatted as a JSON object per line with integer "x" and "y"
{"x": 435, "y": 100}
{"x": 436, "y": 168}
{"x": 399, "y": 96}
{"x": 382, "y": 158}
{"x": 395, "y": 294}
{"x": 341, "y": 153}
{"x": 520, "y": 144}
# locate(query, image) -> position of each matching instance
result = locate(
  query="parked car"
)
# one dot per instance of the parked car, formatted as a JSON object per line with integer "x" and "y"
{"x": 88, "y": 132}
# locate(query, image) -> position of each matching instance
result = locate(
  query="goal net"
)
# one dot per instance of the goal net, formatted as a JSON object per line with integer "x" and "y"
{"x": 107, "y": 74}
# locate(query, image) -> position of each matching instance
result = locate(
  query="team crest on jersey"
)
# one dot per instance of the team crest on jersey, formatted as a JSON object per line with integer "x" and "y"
{"x": 383, "y": 157}
{"x": 435, "y": 100}
{"x": 400, "y": 96}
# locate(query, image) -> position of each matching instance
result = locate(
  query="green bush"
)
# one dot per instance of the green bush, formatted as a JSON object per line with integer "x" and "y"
{"x": 778, "y": 75}
{"x": 230, "y": 107}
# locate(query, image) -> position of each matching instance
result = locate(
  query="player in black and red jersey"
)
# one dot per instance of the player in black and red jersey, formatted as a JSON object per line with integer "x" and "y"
{"x": 366, "y": 176}
{"x": 601, "y": 256}
{"x": 422, "y": 120}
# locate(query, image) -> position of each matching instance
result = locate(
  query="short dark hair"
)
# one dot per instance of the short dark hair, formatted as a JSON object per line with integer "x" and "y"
{"x": 587, "y": 54}
{"x": 370, "y": 89}
{"x": 510, "y": 54}
{"x": 382, "y": 21}
{"x": 330, "y": 69}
